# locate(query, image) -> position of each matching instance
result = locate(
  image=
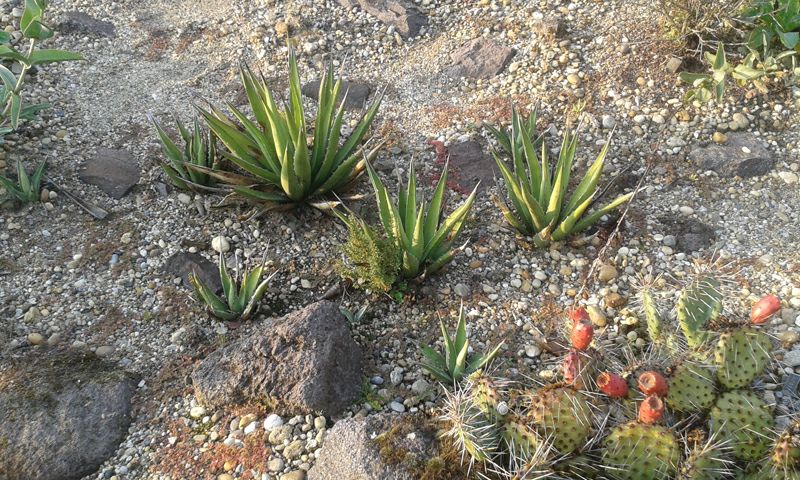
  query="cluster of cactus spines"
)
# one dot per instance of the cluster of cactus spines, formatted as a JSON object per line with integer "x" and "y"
{"x": 741, "y": 356}
{"x": 706, "y": 458}
{"x": 743, "y": 420}
{"x": 472, "y": 432}
{"x": 692, "y": 389}
{"x": 636, "y": 451}
{"x": 627, "y": 417}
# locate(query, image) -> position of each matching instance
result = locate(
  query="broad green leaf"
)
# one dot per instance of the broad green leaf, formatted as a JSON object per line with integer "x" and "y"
{"x": 39, "y": 57}
{"x": 593, "y": 217}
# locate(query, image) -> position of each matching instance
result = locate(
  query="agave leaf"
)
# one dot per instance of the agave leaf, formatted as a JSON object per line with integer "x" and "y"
{"x": 228, "y": 286}
{"x": 332, "y": 148}
{"x": 588, "y": 185}
{"x": 460, "y": 362}
{"x": 593, "y": 217}
{"x": 440, "y": 374}
{"x": 510, "y": 217}
{"x": 359, "y": 131}
{"x": 501, "y": 137}
{"x": 410, "y": 210}
{"x": 254, "y": 299}
{"x": 36, "y": 179}
{"x": 461, "y": 330}
{"x": 480, "y": 360}
{"x": 451, "y": 225}
{"x": 23, "y": 180}
{"x": 208, "y": 296}
{"x": 534, "y": 169}
{"x": 173, "y": 175}
{"x": 434, "y": 358}
{"x": 11, "y": 188}
{"x": 515, "y": 194}
{"x": 263, "y": 141}
{"x": 328, "y": 93}
{"x": 418, "y": 235}
{"x": 449, "y": 348}
{"x": 440, "y": 260}
{"x": 565, "y": 227}
{"x": 434, "y": 210}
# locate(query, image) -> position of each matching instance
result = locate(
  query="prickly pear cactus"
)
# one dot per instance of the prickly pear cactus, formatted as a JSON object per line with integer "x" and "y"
{"x": 742, "y": 420}
{"x": 635, "y": 451}
{"x": 741, "y": 357}
{"x": 651, "y": 315}
{"x": 784, "y": 462}
{"x": 472, "y": 432}
{"x": 563, "y": 414}
{"x": 487, "y": 396}
{"x": 699, "y": 303}
{"x": 691, "y": 389}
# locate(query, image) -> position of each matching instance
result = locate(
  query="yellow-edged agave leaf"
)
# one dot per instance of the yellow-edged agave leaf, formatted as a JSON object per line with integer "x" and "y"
{"x": 434, "y": 210}
{"x": 516, "y": 195}
{"x": 452, "y": 225}
{"x": 586, "y": 189}
{"x": 217, "y": 306}
{"x": 593, "y": 217}
{"x": 568, "y": 223}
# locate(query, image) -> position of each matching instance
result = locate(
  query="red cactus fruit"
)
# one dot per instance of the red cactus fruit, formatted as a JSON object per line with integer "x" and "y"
{"x": 579, "y": 314}
{"x": 653, "y": 383}
{"x": 651, "y": 410}
{"x": 572, "y": 367}
{"x": 612, "y": 385}
{"x": 581, "y": 336}
{"x": 768, "y": 306}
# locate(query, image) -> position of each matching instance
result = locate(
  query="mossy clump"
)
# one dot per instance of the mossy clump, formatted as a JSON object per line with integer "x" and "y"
{"x": 372, "y": 261}
{"x": 442, "y": 462}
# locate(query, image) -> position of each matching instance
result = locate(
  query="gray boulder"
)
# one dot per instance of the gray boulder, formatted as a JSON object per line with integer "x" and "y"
{"x": 743, "y": 155}
{"x": 181, "y": 264}
{"x": 480, "y": 58}
{"x": 354, "y": 94}
{"x": 378, "y": 447}
{"x": 304, "y": 362}
{"x": 63, "y": 415}
{"x": 401, "y": 14}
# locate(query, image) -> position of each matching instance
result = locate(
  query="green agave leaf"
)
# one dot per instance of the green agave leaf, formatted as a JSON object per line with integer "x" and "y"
{"x": 452, "y": 225}
{"x": 217, "y": 306}
{"x": 593, "y": 217}
{"x": 588, "y": 186}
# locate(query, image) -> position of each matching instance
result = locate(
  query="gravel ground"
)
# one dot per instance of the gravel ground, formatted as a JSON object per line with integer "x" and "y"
{"x": 76, "y": 281}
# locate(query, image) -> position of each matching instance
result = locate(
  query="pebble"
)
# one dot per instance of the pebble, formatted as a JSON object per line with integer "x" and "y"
{"x": 275, "y": 465}
{"x": 719, "y": 137}
{"x": 462, "y": 290}
{"x": 104, "y": 351}
{"x": 686, "y": 210}
{"x": 789, "y": 177}
{"x": 272, "y": 421}
{"x": 608, "y": 122}
{"x": 606, "y": 273}
{"x": 197, "y": 412}
{"x": 792, "y": 358}
{"x": 35, "y": 338}
{"x": 397, "y": 407}
{"x": 532, "y": 351}
{"x": 597, "y": 316}
{"x": 220, "y": 244}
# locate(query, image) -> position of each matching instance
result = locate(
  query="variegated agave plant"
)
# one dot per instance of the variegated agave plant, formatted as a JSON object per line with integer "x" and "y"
{"x": 538, "y": 194}
{"x": 241, "y": 294}
{"x": 274, "y": 148}
{"x": 425, "y": 241}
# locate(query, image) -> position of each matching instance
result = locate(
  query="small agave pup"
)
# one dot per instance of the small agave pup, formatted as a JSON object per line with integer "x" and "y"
{"x": 538, "y": 196}
{"x": 199, "y": 148}
{"x": 274, "y": 149}
{"x": 26, "y": 189}
{"x": 454, "y": 365}
{"x": 241, "y": 294}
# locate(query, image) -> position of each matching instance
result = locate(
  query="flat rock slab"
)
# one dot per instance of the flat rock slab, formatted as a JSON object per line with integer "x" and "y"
{"x": 63, "y": 414}
{"x": 691, "y": 235}
{"x": 181, "y": 264}
{"x": 83, "y": 23}
{"x": 480, "y": 58}
{"x": 743, "y": 155}
{"x": 354, "y": 94}
{"x": 305, "y": 362}
{"x": 470, "y": 165}
{"x": 352, "y": 448}
{"x": 400, "y": 14}
{"x": 115, "y": 172}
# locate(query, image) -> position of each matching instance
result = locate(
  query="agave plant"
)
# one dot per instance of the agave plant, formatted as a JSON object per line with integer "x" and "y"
{"x": 199, "y": 148}
{"x": 240, "y": 294}
{"x": 274, "y": 148}
{"x": 26, "y": 189}
{"x": 424, "y": 241}
{"x": 539, "y": 196}
{"x": 454, "y": 365}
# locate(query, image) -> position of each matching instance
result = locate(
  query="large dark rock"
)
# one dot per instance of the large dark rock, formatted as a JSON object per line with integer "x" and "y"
{"x": 83, "y": 23}
{"x": 470, "y": 165}
{"x": 691, "y": 235}
{"x": 113, "y": 171}
{"x": 354, "y": 94}
{"x": 401, "y": 14}
{"x": 743, "y": 155}
{"x": 63, "y": 415}
{"x": 480, "y": 58}
{"x": 304, "y": 362}
{"x": 181, "y": 264}
{"x": 378, "y": 447}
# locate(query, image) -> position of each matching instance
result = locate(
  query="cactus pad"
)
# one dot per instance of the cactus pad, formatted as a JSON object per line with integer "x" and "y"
{"x": 561, "y": 413}
{"x": 634, "y": 451}
{"x": 699, "y": 303}
{"x": 742, "y": 420}
{"x": 741, "y": 356}
{"x": 522, "y": 442}
{"x": 705, "y": 463}
{"x": 691, "y": 389}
